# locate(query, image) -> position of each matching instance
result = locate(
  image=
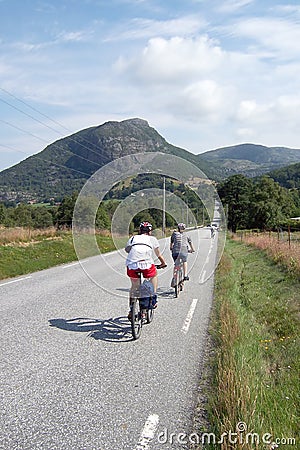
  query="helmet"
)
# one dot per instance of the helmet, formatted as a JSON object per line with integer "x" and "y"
{"x": 181, "y": 226}
{"x": 145, "y": 227}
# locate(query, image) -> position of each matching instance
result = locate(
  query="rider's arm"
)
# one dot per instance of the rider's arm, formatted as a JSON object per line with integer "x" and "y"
{"x": 160, "y": 257}
{"x": 172, "y": 241}
{"x": 191, "y": 244}
{"x": 128, "y": 245}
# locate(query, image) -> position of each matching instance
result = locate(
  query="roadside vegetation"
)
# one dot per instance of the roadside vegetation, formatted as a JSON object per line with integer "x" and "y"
{"x": 24, "y": 251}
{"x": 284, "y": 251}
{"x": 255, "y": 328}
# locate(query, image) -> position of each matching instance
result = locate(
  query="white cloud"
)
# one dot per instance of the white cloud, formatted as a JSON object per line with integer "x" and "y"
{"x": 205, "y": 101}
{"x": 281, "y": 37}
{"x": 175, "y": 60}
{"x": 73, "y": 36}
{"x": 230, "y": 6}
{"x": 272, "y": 121}
{"x": 147, "y": 28}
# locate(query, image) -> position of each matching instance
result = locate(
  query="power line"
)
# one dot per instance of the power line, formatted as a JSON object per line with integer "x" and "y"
{"x": 47, "y": 160}
{"x": 52, "y": 120}
{"x": 44, "y": 140}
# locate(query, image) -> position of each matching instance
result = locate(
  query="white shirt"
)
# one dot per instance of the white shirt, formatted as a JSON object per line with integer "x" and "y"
{"x": 140, "y": 254}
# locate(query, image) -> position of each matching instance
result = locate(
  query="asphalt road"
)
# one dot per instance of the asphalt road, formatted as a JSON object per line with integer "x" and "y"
{"x": 71, "y": 375}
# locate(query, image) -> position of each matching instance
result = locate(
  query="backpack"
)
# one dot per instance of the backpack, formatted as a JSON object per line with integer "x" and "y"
{"x": 147, "y": 294}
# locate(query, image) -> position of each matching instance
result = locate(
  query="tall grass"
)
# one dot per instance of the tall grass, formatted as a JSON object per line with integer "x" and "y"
{"x": 256, "y": 329}
{"x": 23, "y": 251}
{"x": 20, "y": 234}
{"x": 281, "y": 251}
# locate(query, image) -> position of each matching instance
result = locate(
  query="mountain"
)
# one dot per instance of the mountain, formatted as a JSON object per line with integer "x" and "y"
{"x": 65, "y": 165}
{"x": 250, "y": 159}
{"x": 288, "y": 177}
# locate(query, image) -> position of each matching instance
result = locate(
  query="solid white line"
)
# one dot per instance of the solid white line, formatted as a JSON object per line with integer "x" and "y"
{"x": 70, "y": 265}
{"x": 189, "y": 316}
{"x": 15, "y": 281}
{"x": 148, "y": 432}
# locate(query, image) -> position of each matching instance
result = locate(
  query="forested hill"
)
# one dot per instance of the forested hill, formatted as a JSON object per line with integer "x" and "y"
{"x": 65, "y": 165}
{"x": 250, "y": 159}
{"x": 288, "y": 177}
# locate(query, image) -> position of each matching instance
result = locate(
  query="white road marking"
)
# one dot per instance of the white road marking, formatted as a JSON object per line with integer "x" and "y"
{"x": 148, "y": 432}
{"x": 203, "y": 273}
{"x": 203, "y": 277}
{"x": 15, "y": 281}
{"x": 189, "y": 316}
{"x": 70, "y": 265}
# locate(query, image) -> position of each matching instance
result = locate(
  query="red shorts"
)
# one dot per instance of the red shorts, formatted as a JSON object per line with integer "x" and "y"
{"x": 147, "y": 273}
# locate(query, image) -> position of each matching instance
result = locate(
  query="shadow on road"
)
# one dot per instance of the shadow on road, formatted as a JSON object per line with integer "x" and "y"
{"x": 112, "y": 330}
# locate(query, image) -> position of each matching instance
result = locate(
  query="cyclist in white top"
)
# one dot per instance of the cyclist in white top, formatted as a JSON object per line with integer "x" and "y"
{"x": 140, "y": 257}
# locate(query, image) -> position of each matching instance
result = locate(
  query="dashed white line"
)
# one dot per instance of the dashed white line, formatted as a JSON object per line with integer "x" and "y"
{"x": 15, "y": 281}
{"x": 148, "y": 432}
{"x": 203, "y": 277}
{"x": 189, "y": 316}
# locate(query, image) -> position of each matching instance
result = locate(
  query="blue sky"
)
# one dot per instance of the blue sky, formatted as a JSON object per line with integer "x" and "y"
{"x": 203, "y": 73}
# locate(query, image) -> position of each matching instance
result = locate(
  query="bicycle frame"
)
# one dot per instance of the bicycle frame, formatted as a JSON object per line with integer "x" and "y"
{"x": 139, "y": 314}
{"x": 178, "y": 278}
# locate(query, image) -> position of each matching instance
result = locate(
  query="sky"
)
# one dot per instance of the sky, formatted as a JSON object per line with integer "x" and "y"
{"x": 204, "y": 73}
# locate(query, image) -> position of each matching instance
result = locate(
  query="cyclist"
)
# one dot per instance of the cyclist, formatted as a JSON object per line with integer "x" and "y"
{"x": 140, "y": 248}
{"x": 180, "y": 245}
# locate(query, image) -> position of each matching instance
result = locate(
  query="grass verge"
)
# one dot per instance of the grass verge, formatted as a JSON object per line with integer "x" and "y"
{"x": 256, "y": 327}
{"x": 19, "y": 258}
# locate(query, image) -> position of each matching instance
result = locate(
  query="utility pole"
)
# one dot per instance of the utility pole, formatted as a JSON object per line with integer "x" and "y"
{"x": 187, "y": 214}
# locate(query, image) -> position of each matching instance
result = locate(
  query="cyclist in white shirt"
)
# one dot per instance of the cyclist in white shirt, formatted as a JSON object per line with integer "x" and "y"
{"x": 140, "y": 257}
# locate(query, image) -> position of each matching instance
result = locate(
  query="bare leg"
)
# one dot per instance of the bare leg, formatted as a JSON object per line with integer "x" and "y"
{"x": 185, "y": 269}
{"x": 154, "y": 282}
{"x": 134, "y": 290}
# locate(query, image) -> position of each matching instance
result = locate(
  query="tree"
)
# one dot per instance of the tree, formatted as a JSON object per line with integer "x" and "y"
{"x": 65, "y": 211}
{"x": 2, "y": 213}
{"x": 102, "y": 219}
{"x": 22, "y": 215}
{"x": 236, "y": 192}
{"x": 271, "y": 204}
{"x": 41, "y": 217}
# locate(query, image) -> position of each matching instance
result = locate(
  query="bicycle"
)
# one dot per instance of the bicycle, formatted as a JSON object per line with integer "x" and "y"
{"x": 141, "y": 307}
{"x": 178, "y": 277}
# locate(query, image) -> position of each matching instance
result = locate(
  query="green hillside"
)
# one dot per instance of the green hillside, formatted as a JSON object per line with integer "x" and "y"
{"x": 64, "y": 166}
{"x": 288, "y": 177}
{"x": 250, "y": 159}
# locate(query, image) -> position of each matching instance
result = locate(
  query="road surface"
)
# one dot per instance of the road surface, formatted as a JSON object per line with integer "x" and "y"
{"x": 71, "y": 375}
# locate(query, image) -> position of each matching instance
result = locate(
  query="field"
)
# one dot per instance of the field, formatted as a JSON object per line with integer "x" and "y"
{"x": 254, "y": 395}
{"x": 23, "y": 250}
{"x": 284, "y": 249}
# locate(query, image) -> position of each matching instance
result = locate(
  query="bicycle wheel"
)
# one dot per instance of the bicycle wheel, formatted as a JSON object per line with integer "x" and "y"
{"x": 181, "y": 279}
{"x": 150, "y": 314}
{"x": 176, "y": 280}
{"x": 136, "y": 320}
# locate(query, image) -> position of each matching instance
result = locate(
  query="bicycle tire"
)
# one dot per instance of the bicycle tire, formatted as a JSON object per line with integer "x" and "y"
{"x": 181, "y": 282}
{"x": 150, "y": 314}
{"x": 176, "y": 287}
{"x": 136, "y": 320}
